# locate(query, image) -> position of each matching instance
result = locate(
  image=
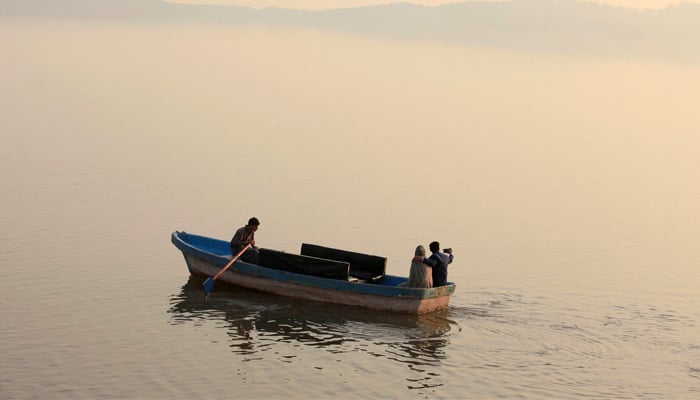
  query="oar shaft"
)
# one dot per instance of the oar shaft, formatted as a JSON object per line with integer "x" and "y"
{"x": 233, "y": 260}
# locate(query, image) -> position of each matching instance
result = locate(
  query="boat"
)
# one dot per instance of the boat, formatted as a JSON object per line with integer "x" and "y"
{"x": 317, "y": 273}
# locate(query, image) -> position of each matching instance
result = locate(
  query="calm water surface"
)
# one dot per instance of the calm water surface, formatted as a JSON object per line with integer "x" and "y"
{"x": 568, "y": 188}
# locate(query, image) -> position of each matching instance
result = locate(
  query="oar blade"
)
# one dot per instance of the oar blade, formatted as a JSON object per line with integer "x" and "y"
{"x": 208, "y": 285}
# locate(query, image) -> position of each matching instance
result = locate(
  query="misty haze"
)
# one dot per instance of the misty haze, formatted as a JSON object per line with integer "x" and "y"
{"x": 552, "y": 144}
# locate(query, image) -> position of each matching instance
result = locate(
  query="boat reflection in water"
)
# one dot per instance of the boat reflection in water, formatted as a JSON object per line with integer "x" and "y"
{"x": 256, "y": 322}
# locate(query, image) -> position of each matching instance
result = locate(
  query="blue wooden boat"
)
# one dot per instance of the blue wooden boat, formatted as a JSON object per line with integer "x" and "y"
{"x": 317, "y": 273}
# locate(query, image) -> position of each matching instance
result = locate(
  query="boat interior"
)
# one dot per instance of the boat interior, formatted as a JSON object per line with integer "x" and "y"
{"x": 313, "y": 260}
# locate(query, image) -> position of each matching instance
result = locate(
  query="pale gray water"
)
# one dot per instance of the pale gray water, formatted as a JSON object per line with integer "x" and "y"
{"x": 568, "y": 188}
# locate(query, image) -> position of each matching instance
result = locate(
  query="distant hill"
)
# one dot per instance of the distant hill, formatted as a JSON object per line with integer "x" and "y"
{"x": 567, "y": 26}
{"x": 120, "y": 10}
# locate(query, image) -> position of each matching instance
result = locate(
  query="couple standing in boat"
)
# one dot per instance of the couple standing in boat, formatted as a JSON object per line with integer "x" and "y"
{"x": 427, "y": 272}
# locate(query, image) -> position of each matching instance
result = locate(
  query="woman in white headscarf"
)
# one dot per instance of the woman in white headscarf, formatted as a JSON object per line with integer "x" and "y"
{"x": 421, "y": 275}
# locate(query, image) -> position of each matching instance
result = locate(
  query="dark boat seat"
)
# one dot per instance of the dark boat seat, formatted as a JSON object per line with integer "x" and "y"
{"x": 306, "y": 265}
{"x": 363, "y": 267}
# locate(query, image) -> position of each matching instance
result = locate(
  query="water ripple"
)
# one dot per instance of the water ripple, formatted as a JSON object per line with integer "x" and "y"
{"x": 552, "y": 350}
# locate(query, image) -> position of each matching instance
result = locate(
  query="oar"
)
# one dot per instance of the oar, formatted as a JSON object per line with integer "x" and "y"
{"x": 209, "y": 283}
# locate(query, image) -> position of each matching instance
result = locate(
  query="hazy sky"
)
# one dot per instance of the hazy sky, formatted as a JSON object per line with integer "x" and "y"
{"x": 325, "y": 4}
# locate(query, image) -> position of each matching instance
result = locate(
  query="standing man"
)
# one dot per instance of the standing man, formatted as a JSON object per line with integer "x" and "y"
{"x": 439, "y": 262}
{"x": 244, "y": 236}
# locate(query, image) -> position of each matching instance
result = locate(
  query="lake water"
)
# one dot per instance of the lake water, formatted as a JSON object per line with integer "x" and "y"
{"x": 567, "y": 186}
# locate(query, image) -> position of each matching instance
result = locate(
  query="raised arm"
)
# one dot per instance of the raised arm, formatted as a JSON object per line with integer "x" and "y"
{"x": 425, "y": 260}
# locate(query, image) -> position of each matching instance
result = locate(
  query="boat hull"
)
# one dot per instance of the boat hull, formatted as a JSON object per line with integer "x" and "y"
{"x": 386, "y": 297}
